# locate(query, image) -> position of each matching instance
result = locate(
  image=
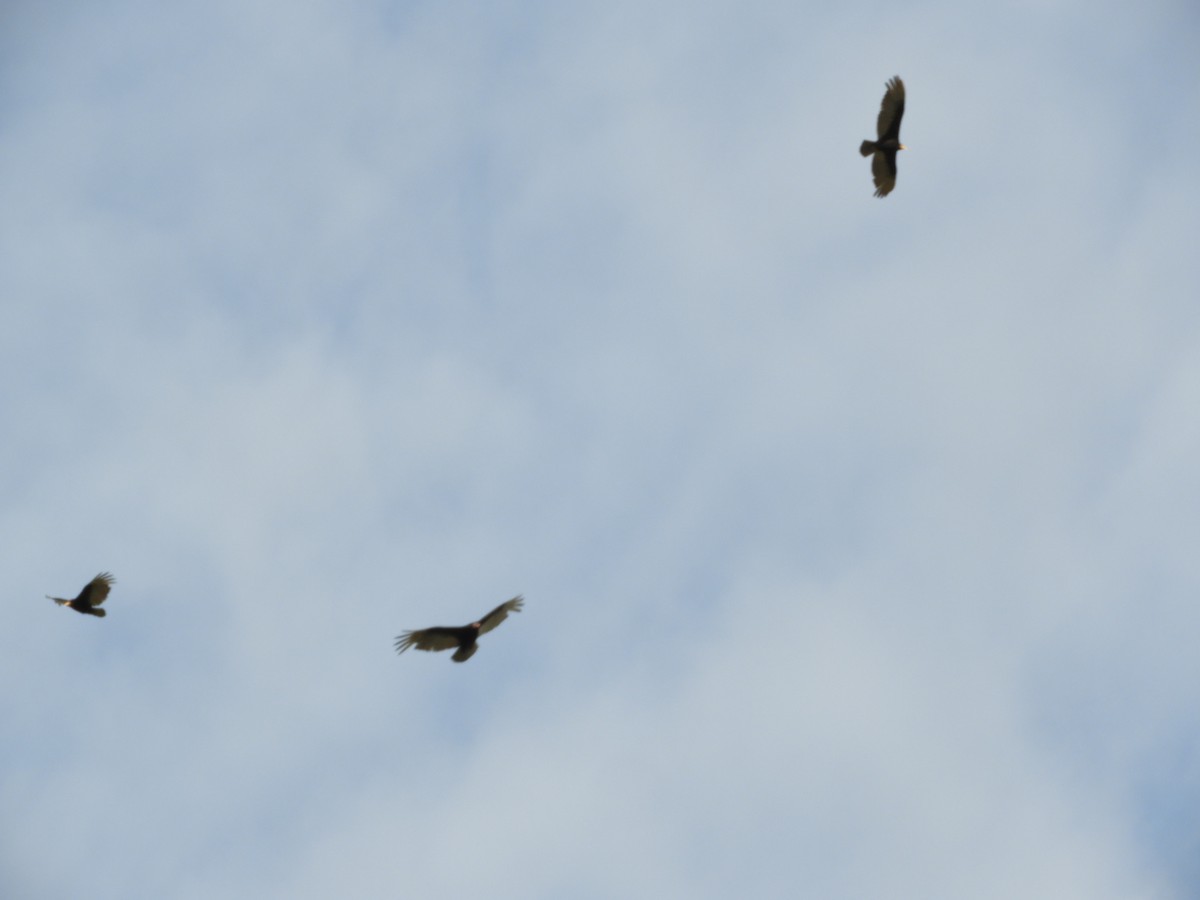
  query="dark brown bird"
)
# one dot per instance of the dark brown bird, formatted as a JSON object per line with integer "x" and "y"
{"x": 442, "y": 637}
{"x": 883, "y": 164}
{"x": 93, "y": 594}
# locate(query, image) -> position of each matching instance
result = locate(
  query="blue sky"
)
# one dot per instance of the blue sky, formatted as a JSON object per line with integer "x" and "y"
{"x": 857, "y": 536}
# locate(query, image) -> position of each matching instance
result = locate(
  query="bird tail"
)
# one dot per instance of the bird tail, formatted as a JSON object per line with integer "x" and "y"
{"x": 59, "y": 600}
{"x": 97, "y": 612}
{"x": 867, "y": 148}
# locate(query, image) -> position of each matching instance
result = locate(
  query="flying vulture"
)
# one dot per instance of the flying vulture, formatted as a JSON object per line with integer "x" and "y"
{"x": 883, "y": 165}
{"x": 463, "y": 637}
{"x": 93, "y": 594}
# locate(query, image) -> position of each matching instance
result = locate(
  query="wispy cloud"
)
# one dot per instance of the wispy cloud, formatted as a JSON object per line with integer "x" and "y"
{"x": 856, "y": 535}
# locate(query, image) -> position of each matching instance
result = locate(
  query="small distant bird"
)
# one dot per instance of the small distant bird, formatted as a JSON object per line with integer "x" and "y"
{"x": 93, "y": 594}
{"x": 442, "y": 637}
{"x": 883, "y": 165}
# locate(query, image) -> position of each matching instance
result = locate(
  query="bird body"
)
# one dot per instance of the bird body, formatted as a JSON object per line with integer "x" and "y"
{"x": 461, "y": 637}
{"x": 887, "y": 127}
{"x": 93, "y": 594}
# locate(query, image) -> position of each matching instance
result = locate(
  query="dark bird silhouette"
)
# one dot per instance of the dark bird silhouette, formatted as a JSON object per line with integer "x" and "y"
{"x": 883, "y": 150}
{"x": 442, "y": 637}
{"x": 93, "y": 594}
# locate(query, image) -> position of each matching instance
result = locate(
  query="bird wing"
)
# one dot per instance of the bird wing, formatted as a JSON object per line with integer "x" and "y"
{"x": 883, "y": 167}
{"x": 891, "y": 111}
{"x": 500, "y": 613}
{"x": 97, "y": 589}
{"x": 436, "y": 638}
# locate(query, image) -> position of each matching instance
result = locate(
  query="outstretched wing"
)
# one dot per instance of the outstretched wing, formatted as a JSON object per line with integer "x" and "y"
{"x": 436, "y": 638}
{"x": 891, "y": 111}
{"x": 883, "y": 167}
{"x": 97, "y": 589}
{"x": 500, "y": 613}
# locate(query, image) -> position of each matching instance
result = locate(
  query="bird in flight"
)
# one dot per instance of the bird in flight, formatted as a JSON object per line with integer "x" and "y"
{"x": 883, "y": 150}
{"x": 462, "y": 637}
{"x": 93, "y": 594}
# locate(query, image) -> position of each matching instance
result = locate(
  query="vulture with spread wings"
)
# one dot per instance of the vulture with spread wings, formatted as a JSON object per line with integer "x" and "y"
{"x": 883, "y": 150}
{"x": 93, "y": 594}
{"x": 462, "y": 637}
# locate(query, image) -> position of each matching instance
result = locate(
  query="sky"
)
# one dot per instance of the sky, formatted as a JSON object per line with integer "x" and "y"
{"x": 857, "y": 535}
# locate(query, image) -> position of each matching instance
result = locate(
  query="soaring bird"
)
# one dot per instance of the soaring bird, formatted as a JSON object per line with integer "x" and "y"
{"x": 442, "y": 637}
{"x": 93, "y": 594}
{"x": 883, "y": 165}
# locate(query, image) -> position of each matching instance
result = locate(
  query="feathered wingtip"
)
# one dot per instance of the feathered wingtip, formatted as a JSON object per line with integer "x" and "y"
{"x": 404, "y": 641}
{"x": 867, "y": 148}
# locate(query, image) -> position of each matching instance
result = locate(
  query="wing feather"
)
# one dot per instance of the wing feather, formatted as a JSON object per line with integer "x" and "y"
{"x": 436, "y": 638}
{"x": 883, "y": 167}
{"x": 891, "y": 111}
{"x": 97, "y": 589}
{"x": 500, "y": 613}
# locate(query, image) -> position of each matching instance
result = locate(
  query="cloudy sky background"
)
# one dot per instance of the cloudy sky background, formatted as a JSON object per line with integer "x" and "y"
{"x": 858, "y": 537}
